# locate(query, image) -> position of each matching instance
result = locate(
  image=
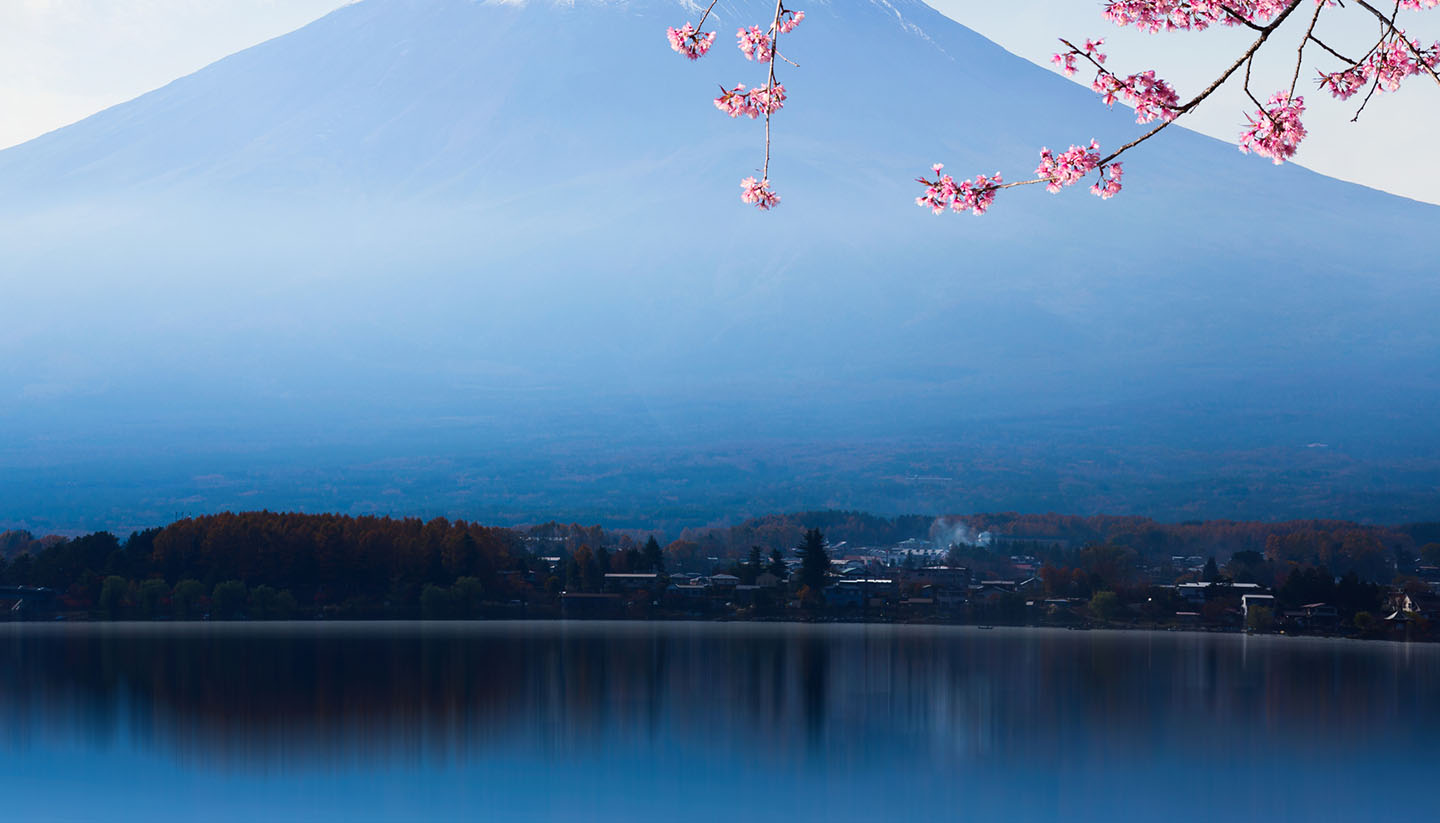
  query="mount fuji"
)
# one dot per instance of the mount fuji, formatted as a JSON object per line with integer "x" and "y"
{"x": 488, "y": 259}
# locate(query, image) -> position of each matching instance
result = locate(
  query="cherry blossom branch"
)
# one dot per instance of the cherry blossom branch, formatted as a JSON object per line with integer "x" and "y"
{"x": 759, "y": 46}
{"x": 1389, "y": 23}
{"x": 1195, "y": 101}
{"x": 1273, "y": 131}
{"x": 774, "y": 51}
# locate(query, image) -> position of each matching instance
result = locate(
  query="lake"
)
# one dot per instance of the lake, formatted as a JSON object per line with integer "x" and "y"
{"x": 707, "y": 721}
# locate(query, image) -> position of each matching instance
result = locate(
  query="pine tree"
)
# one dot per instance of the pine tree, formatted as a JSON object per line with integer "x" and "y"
{"x": 777, "y": 564}
{"x": 654, "y": 558}
{"x": 814, "y": 561}
{"x": 1211, "y": 574}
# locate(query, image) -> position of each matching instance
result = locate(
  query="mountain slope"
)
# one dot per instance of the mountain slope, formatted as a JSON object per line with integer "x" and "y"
{"x": 417, "y": 230}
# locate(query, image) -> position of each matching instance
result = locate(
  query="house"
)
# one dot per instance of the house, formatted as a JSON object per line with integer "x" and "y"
{"x": 26, "y": 602}
{"x": 724, "y": 581}
{"x": 1249, "y": 600}
{"x": 992, "y": 586}
{"x": 1317, "y": 615}
{"x": 767, "y": 580}
{"x": 631, "y": 582}
{"x": 748, "y": 595}
{"x": 1205, "y": 592}
{"x": 949, "y": 598}
{"x": 957, "y": 577}
{"x": 1425, "y": 605}
{"x": 863, "y": 592}
{"x": 844, "y": 596}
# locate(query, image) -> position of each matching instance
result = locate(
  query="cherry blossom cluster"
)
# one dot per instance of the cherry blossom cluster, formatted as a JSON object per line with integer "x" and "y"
{"x": 1275, "y": 131}
{"x": 1071, "y": 167}
{"x": 1391, "y": 61}
{"x": 689, "y": 42}
{"x": 760, "y": 45}
{"x": 974, "y": 196}
{"x": 1068, "y": 168}
{"x": 1066, "y": 60}
{"x": 1109, "y": 183}
{"x": 755, "y": 44}
{"x": 753, "y": 103}
{"x": 1153, "y": 98}
{"x": 1171, "y": 15}
{"x": 758, "y": 193}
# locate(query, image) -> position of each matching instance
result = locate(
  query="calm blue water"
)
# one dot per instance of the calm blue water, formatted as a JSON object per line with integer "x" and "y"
{"x": 724, "y": 722}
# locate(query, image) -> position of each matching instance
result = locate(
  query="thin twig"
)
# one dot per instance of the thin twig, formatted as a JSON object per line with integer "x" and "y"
{"x": 1300, "y": 58}
{"x": 770, "y": 101}
{"x": 706, "y": 15}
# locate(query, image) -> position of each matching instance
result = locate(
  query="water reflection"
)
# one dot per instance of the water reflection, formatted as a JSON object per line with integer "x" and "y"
{"x": 969, "y": 716}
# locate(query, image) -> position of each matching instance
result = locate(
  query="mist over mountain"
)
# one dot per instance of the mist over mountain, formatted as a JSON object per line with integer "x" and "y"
{"x": 489, "y": 260}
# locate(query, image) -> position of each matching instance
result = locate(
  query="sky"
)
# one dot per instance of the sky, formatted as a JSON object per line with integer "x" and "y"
{"x": 62, "y": 60}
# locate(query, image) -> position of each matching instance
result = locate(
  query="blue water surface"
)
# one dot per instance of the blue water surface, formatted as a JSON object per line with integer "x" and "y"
{"x": 702, "y": 722}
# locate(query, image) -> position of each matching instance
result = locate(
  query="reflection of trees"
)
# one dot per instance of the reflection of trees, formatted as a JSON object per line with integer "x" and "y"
{"x": 245, "y": 694}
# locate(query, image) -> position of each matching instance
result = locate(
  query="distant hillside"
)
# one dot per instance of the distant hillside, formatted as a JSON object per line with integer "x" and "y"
{"x": 489, "y": 260}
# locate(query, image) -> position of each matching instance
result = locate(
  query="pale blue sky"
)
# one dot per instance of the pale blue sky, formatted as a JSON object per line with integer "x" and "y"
{"x": 61, "y": 60}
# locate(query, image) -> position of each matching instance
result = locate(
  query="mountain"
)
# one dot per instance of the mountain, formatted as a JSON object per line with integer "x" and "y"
{"x": 488, "y": 259}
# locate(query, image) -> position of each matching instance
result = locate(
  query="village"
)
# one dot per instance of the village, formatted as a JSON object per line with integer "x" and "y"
{"x": 913, "y": 582}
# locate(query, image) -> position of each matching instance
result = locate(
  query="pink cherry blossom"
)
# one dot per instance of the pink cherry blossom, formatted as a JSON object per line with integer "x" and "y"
{"x": 1069, "y": 167}
{"x": 755, "y": 44}
{"x": 758, "y": 193}
{"x": 753, "y": 103}
{"x": 1398, "y": 58}
{"x": 1345, "y": 84}
{"x": 788, "y": 20}
{"x": 689, "y": 42}
{"x": 1109, "y": 184}
{"x": 974, "y": 196}
{"x": 766, "y": 100}
{"x": 1276, "y": 131}
{"x": 1169, "y": 15}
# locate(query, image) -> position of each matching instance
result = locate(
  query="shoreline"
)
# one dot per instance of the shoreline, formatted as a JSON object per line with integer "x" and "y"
{"x": 350, "y": 625}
